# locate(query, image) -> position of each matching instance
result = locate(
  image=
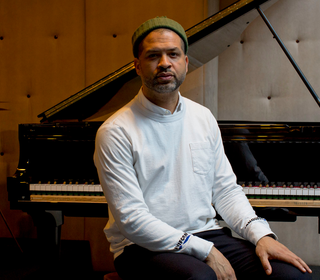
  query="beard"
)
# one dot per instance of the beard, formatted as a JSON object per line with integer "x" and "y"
{"x": 165, "y": 87}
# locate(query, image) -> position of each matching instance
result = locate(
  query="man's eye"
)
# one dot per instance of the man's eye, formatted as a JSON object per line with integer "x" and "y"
{"x": 153, "y": 55}
{"x": 173, "y": 54}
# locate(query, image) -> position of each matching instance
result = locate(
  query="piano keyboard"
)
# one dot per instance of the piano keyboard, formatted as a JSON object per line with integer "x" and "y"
{"x": 66, "y": 188}
{"x": 66, "y": 192}
{"x": 295, "y": 191}
{"x": 273, "y": 195}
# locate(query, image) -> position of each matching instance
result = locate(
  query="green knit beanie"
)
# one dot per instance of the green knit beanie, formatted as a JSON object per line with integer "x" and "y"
{"x": 155, "y": 23}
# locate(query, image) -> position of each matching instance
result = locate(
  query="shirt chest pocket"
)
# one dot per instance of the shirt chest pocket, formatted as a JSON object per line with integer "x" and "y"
{"x": 202, "y": 157}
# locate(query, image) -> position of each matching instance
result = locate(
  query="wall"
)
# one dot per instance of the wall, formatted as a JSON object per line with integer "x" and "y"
{"x": 50, "y": 50}
{"x": 258, "y": 83}
{"x": 42, "y": 51}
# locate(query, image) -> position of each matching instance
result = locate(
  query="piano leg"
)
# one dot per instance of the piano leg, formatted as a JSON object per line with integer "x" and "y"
{"x": 48, "y": 225}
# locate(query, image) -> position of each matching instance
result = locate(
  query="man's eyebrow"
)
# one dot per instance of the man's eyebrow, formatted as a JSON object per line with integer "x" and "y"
{"x": 160, "y": 49}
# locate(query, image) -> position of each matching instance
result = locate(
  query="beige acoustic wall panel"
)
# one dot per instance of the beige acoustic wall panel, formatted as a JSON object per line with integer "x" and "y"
{"x": 201, "y": 85}
{"x": 110, "y": 25}
{"x": 42, "y": 50}
{"x": 257, "y": 81}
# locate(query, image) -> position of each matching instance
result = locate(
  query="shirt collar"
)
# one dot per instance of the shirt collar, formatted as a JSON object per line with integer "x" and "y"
{"x": 156, "y": 109}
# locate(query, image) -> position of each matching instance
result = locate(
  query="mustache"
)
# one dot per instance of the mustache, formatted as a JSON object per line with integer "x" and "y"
{"x": 164, "y": 73}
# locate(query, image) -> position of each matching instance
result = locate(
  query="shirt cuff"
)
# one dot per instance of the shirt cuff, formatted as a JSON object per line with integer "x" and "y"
{"x": 198, "y": 247}
{"x": 258, "y": 229}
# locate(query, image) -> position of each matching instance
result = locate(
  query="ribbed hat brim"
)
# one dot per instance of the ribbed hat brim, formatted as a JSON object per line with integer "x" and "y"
{"x": 155, "y": 23}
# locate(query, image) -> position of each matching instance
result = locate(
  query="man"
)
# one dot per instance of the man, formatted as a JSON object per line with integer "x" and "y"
{"x": 162, "y": 166}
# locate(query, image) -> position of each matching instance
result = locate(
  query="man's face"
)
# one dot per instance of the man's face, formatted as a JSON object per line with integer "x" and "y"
{"x": 162, "y": 64}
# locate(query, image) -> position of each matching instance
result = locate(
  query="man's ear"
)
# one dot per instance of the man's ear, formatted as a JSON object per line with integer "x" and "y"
{"x": 187, "y": 63}
{"x": 137, "y": 66}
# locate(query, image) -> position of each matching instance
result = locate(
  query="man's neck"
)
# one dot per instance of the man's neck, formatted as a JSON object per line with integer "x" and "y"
{"x": 167, "y": 101}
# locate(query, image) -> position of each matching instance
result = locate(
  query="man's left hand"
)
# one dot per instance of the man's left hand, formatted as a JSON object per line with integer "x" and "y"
{"x": 269, "y": 249}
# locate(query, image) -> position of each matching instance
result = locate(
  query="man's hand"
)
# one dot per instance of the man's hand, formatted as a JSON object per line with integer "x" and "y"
{"x": 220, "y": 265}
{"x": 269, "y": 249}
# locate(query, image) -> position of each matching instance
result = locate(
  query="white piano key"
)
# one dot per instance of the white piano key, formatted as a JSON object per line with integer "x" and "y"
{"x": 269, "y": 191}
{"x": 37, "y": 187}
{"x": 293, "y": 191}
{"x": 287, "y": 191}
{"x": 263, "y": 191}
{"x": 311, "y": 192}
{"x": 245, "y": 190}
{"x": 251, "y": 190}
{"x": 257, "y": 191}
{"x": 97, "y": 188}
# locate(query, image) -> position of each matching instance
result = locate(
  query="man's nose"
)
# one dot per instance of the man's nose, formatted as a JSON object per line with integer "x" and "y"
{"x": 164, "y": 62}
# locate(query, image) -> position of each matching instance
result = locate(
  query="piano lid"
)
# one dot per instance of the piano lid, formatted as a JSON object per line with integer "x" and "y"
{"x": 207, "y": 40}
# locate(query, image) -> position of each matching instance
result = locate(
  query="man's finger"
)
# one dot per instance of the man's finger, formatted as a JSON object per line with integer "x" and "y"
{"x": 300, "y": 264}
{"x": 266, "y": 265}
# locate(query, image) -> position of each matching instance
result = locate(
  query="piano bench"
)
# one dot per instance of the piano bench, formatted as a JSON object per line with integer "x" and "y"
{"x": 112, "y": 276}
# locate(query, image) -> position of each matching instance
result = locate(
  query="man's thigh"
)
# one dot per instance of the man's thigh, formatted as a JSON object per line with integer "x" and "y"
{"x": 240, "y": 253}
{"x": 139, "y": 263}
{"x": 242, "y": 257}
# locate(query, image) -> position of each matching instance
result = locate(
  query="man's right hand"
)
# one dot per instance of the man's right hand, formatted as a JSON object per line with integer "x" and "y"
{"x": 220, "y": 265}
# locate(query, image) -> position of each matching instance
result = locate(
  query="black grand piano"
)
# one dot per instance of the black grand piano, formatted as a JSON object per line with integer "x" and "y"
{"x": 276, "y": 163}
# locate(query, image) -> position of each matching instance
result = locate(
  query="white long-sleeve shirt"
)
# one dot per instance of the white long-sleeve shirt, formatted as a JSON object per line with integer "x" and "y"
{"x": 161, "y": 173}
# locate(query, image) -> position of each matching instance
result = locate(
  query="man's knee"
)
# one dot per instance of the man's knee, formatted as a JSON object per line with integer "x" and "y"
{"x": 285, "y": 271}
